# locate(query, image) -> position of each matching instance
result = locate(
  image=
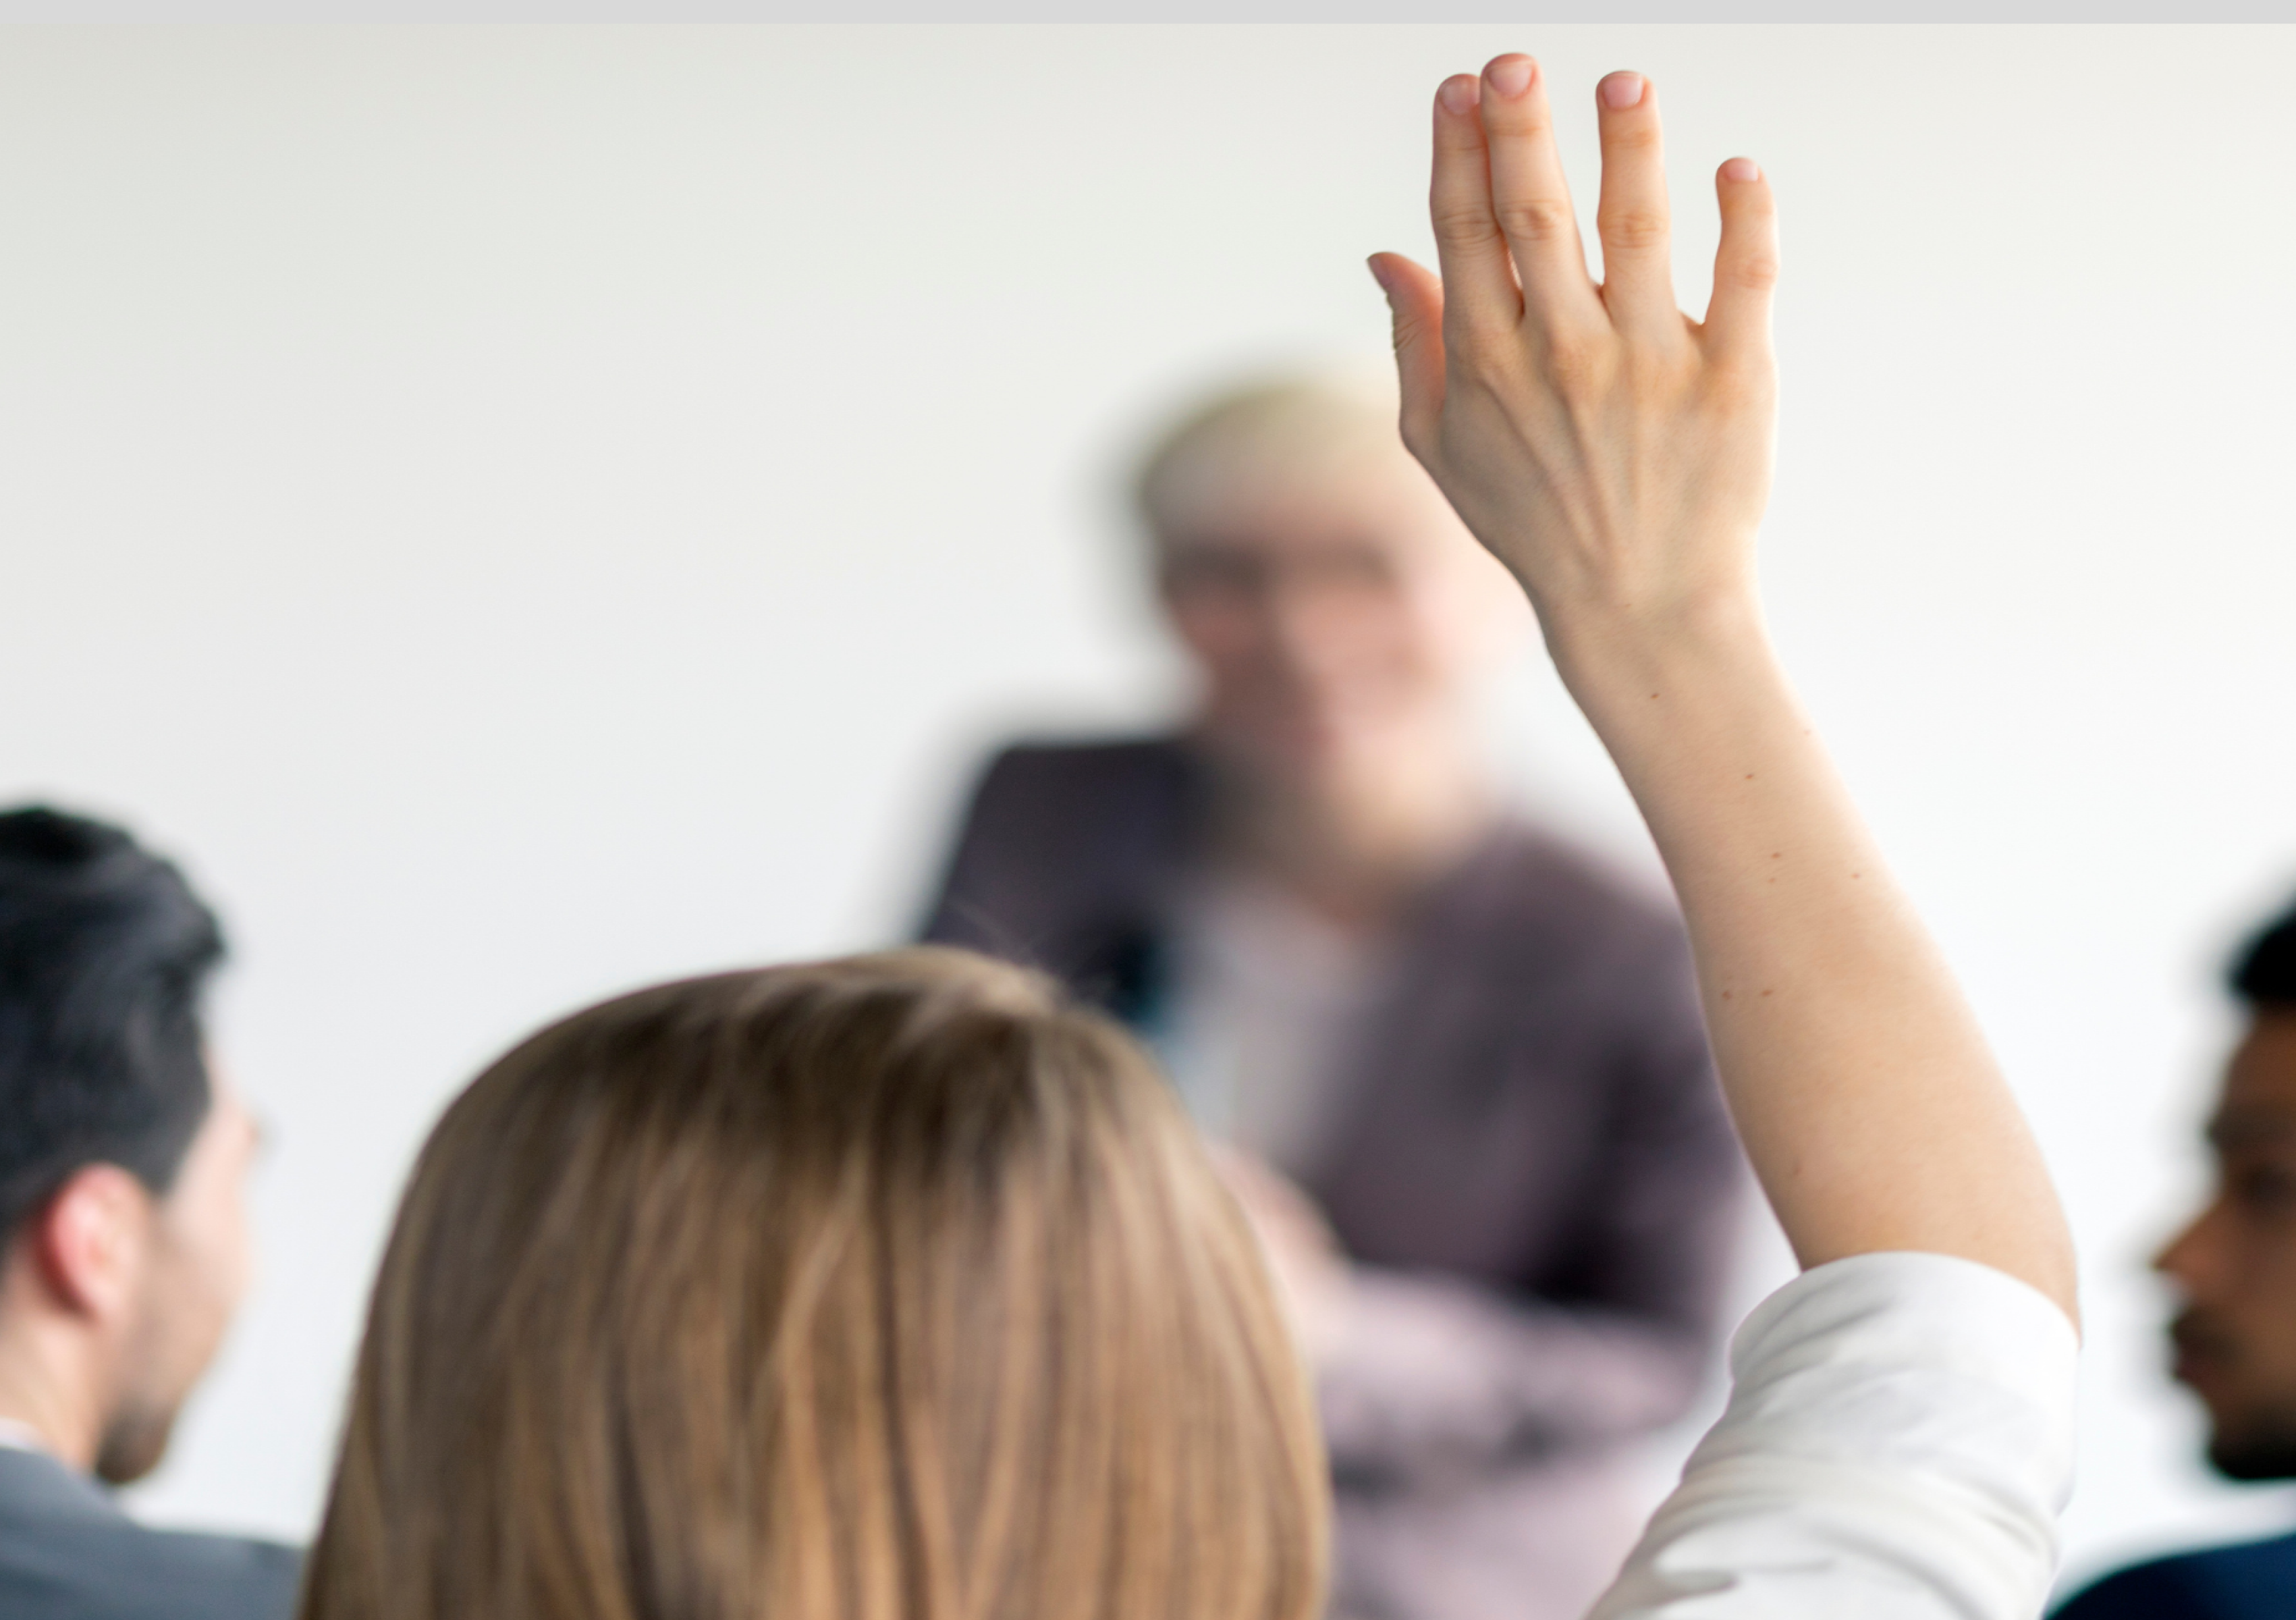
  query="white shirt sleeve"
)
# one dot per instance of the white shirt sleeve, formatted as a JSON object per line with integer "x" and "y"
{"x": 1898, "y": 1445}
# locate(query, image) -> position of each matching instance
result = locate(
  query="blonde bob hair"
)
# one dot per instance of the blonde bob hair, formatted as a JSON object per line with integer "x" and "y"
{"x": 889, "y": 1288}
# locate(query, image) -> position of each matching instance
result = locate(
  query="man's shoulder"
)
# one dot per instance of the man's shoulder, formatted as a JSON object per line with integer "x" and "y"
{"x": 258, "y": 1563}
{"x": 1089, "y": 769}
{"x": 1063, "y": 841}
{"x": 1547, "y": 894}
{"x": 67, "y": 1554}
{"x": 2244, "y": 1582}
{"x": 129, "y": 1571}
{"x": 1070, "y": 812}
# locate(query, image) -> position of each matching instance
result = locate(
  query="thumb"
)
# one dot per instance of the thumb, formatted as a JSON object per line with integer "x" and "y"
{"x": 1415, "y": 297}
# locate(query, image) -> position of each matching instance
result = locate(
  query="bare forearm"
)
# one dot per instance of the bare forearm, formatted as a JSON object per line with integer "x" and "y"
{"x": 1863, "y": 1087}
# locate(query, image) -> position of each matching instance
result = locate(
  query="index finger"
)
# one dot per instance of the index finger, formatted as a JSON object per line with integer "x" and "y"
{"x": 1478, "y": 287}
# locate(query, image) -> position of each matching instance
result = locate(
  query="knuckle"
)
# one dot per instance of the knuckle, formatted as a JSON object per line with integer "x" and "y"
{"x": 1659, "y": 371}
{"x": 1632, "y": 227}
{"x": 1753, "y": 271}
{"x": 1472, "y": 329}
{"x": 1731, "y": 389}
{"x": 1460, "y": 223}
{"x": 1570, "y": 363}
{"x": 1515, "y": 120}
{"x": 1539, "y": 220}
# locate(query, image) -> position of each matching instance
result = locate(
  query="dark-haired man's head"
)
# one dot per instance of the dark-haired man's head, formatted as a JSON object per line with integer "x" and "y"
{"x": 123, "y": 1240}
{"x": 2236, "y": 1265}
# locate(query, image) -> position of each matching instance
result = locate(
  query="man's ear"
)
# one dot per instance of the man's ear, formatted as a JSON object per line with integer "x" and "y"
{"x": 88, "y": 1240}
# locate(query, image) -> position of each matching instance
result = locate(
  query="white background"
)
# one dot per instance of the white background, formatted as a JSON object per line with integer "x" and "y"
{"x": 524, "y": 513}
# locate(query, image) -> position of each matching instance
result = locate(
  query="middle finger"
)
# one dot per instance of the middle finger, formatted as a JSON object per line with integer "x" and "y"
{"x": 1529, "y": 197}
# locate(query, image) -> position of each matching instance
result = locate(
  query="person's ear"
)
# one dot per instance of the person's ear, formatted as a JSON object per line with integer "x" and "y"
{"x": 89, "y": 1240}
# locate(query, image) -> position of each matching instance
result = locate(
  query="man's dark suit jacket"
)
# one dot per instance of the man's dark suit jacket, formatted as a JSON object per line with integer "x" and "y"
{"x": 67, "y": 1553}
{"x": 2252, "y": 1580}
{"x": 1533, "y": 1149}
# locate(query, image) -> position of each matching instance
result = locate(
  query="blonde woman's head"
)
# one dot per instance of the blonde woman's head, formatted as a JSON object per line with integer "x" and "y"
{"x": 895, "y": 1286}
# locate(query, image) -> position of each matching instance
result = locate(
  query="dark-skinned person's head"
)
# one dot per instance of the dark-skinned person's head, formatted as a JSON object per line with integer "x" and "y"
{"x": 894, "y": 1287}
{"x": 123, "y": 1238}
{"x": 2234, "y": 1265}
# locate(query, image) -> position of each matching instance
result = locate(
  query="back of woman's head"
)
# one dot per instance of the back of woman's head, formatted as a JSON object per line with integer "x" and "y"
{"x": 894, "y": 1287}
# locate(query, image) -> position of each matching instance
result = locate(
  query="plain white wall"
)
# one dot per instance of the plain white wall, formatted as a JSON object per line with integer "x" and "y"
{"x": 524, "y": 513}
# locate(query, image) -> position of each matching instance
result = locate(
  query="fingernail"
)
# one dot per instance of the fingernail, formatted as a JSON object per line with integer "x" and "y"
{"x": 1378, "y": 274}
{"x": 1621, "y": 91}
{"x": 1741, "y": 168}
{"x": 1510, "y": 76}
{"x": 1460, "y": 93}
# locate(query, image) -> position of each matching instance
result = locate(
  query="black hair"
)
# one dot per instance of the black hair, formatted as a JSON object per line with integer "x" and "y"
{"x": 103, "y": 952}
{"x": 2264, "y": 974}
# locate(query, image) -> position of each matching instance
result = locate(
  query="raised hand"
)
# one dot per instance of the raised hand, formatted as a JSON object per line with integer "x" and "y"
{"x": 1616, "y": 456}
{"x": 1612, "y": 452}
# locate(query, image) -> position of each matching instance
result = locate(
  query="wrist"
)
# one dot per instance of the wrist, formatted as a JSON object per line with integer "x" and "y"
{"x": 1620, "y": 654}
